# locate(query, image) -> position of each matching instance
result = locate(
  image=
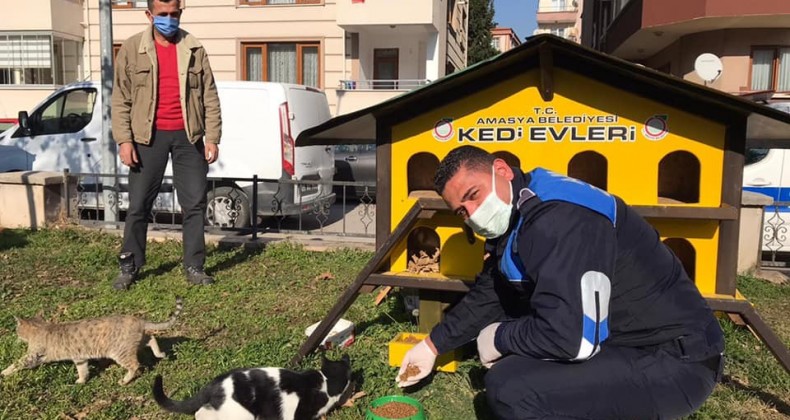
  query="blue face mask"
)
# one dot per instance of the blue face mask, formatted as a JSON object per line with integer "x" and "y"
{"x": 166, "y": 25}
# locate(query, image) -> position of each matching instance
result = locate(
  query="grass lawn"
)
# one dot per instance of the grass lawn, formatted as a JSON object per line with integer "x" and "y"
{"x": 255, "y": 315}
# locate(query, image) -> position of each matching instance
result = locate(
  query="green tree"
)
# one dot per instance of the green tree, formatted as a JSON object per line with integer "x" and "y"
{"x": 481, "y": 22}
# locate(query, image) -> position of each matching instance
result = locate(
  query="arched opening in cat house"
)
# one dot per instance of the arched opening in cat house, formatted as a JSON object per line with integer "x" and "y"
{"x": 509, "y": 158}
{"x": 685, "y": 253}
{"x": 422, "y": 249}
{"x": 590, "y": 167}
{"x": 679, "y": 178}
{"x": 420, "y": 170}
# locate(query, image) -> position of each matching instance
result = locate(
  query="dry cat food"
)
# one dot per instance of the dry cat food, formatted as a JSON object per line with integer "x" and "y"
{"x": 411, "y": 370}
{"x": 410, "y": 339}
{"x": 395, "y": 410}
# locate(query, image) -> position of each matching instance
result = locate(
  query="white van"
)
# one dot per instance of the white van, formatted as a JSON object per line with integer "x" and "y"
{"x": 260, "y": 121}
{"x": 767, "y": 171}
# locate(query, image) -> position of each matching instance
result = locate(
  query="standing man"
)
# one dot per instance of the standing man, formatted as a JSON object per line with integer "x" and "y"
{"x": 580, "y": 312}
{"x": 165, "y": 103}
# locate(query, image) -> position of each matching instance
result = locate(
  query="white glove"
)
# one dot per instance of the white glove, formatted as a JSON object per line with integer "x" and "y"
{"x": 420, "y": 356}
{"x": 485, "y": 345}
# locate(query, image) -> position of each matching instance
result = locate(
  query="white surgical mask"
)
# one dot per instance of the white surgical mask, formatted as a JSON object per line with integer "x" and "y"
{"x": 492, "y": 218}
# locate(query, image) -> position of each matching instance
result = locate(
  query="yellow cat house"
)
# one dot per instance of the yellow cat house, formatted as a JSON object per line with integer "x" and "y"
{"x": 672, "y": 149}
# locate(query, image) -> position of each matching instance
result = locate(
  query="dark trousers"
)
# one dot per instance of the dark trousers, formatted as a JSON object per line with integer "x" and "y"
{"x": 617, "y": 383}
{"x": 190, "y": 170}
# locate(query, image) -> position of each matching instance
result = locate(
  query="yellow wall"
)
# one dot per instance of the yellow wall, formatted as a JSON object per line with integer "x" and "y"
{"x": 704, "y": 237}
{"x": 515, "y": 106}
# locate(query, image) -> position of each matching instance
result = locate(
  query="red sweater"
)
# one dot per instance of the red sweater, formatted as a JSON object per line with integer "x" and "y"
{"x": 168, "y": 109}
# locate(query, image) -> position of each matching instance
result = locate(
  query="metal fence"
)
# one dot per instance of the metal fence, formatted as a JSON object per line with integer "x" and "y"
{"x": 282, "y": 205}
{"x": 775, "y": 245}
{"x": 383, "y": 84}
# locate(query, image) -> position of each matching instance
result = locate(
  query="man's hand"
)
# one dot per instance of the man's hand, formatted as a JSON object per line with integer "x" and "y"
{"x": 128, "y": 154}
{"x": 422, "y": 356}
{"x": 485, "y": 345}
{"x": 212, "y": 152}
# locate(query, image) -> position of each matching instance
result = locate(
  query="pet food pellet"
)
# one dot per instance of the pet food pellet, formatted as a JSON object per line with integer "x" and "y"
{"x": 411, "y": 370}
{"x": 395, "y": 410}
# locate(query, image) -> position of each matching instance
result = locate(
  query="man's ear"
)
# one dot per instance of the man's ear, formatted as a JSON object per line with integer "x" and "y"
{"x": 503, "y": 169}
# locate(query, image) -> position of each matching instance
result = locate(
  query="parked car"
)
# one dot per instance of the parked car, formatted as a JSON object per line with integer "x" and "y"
{"x": 6, "y": 123}
{"x": 356, "y": 163}
{"x": 767, "y": 171}
{"x": 260, "y": 121}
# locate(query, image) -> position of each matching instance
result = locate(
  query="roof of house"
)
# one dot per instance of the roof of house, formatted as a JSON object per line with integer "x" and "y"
{"x": 764, "y": 125}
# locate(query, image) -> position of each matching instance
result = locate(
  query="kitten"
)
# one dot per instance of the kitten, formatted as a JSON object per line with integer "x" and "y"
{"x": 267, "y": 393}
{"x": 113, "y": 337}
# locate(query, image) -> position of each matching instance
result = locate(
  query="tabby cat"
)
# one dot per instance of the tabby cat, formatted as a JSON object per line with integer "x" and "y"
{"x": 114, "y": 337}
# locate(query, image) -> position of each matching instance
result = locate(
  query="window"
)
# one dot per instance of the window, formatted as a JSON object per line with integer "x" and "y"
{"x": 69, "y": 112}
{"x": 385, "y": 68}
{"x": 771, "y": 69}
{"x": 134, "y": 4}
{"x": 129, "y": 4}
{"x": 755, "y": 155}
{"x": 39, "y": 60}
{"x": 495, "y": 44}
{"x": 282, "y": 62}
{"x": 273, "y": 2}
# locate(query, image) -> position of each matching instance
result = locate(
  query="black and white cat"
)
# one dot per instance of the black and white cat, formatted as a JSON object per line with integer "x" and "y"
{"x": 267, "y": 393}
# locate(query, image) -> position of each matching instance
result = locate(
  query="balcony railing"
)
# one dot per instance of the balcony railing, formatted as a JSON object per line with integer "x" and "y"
{"x": 383, "y": 84}
{"x": 558, "y": 9}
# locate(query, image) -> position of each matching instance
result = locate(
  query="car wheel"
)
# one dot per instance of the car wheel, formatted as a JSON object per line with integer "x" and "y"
{"x": 227, "y": 207}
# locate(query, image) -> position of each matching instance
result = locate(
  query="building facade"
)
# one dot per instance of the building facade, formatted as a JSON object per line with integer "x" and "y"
{"x": 359, "y": 52}
{"x": 560, "y": 17}
{"x": 504, "y": 39}
{"x": 752, "y": 39}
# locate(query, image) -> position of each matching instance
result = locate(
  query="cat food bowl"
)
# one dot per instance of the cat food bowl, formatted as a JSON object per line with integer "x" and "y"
{"x": 395, "y": 407}
{"x": 341, "y": 335}
{"x": 404, "y": 341}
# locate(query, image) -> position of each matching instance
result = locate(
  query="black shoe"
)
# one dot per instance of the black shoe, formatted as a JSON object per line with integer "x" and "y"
{"x": 198, "y": 276}
{"x": 128, "y": 273}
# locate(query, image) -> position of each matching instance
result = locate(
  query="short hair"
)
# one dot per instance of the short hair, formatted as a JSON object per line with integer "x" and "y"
{"x": 151, "y": 3}
{"x": 469, "y": 157}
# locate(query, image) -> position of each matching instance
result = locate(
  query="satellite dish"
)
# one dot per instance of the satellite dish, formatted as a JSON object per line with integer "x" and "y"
{"x": 708, "y": 67}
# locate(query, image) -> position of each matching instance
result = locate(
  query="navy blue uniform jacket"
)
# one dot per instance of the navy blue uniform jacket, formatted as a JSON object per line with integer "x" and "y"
{"x": 577, "y": 270}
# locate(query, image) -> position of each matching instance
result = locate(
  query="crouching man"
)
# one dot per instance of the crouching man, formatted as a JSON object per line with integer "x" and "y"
{"x": 580, "y": 310}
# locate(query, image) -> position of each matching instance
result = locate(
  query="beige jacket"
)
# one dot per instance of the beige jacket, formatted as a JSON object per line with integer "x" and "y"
{"x": 134, "y": 94}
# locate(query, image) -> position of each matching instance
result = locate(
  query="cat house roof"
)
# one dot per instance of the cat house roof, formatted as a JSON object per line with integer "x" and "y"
{"x": 765, "y": 127}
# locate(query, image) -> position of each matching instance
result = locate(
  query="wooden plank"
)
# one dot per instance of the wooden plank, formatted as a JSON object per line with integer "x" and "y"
{"x": 434, "y": 202}
{"x": 731, "y": 191}
{"x": 383, "y": 184}
{"x": 546, "y": 72}
{"x": 433, "y": 304}
{"x": 417, "y": 282}
{"x": 383, "y": 188}
{"x": 725, "y": 212}
{"x": 775, "y": 345}
{"x": 348, "y": 297}
{"x": 745, "y": 309}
